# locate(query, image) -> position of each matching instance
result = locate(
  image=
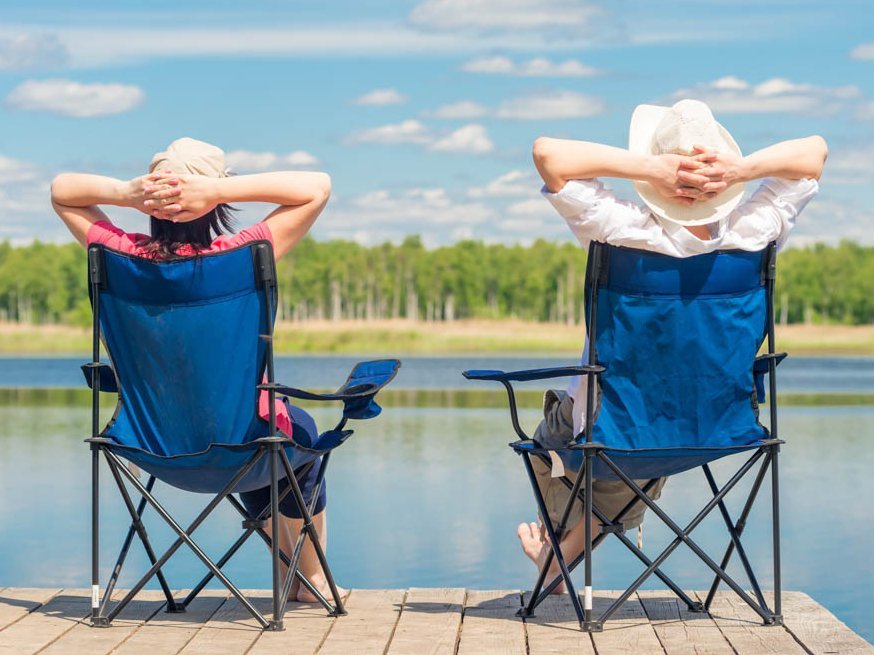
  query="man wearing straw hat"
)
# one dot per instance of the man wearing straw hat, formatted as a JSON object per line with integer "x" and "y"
{"x": 690, "y": 174}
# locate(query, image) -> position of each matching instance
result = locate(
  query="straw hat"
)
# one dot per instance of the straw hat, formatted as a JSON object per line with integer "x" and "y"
{"x": 658, "y": 130}
{"x": 187, "y": 155}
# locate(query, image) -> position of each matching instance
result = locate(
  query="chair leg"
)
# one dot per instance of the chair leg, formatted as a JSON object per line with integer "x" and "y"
{"x": 278, "y": 603}
{"x": 739, "y": 527}
{"x": 310, "y": 530}
{"x": 184, "y": 537}
{"x": 554, "y": 535}
{"x": 694, "y": 606}
{"x": 777, "y": 617}
{"x": 683, "y": 536}
{"x": 97, "y": 618}
{"x": 735, "y": 538}
{"x": 139, "y": 529}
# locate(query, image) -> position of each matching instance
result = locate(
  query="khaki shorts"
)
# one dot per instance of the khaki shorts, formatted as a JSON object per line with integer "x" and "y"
{"x": 610, "y": 496}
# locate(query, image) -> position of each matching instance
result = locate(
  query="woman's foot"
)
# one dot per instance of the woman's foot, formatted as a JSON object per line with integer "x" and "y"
{"x": 536, "y": 550}
{"x": 304, "y": 595}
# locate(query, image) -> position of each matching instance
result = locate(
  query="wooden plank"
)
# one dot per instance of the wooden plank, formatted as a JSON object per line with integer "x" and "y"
{"x": 230, "y": 631}
{"x": 306, "y": 625}
{"x": 817, "y": 628}
{"x": 627, "y": 630}
{"x": 84, "y": 638}
{"x": 678, "y": 629}
{"x": 167, "y": 634}
{"x": 16, "y": 603}
{"x": 47, "y": 623}
{"x": 490, "y": 624}
{"x": 429, "y": 623}
{"x": 554, "y": 628}
{"x": 744, "y": 628}
{"x": 368, "y": 628}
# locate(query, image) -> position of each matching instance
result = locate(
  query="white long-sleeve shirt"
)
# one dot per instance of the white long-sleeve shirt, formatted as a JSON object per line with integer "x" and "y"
{"x": 593, "y": 213}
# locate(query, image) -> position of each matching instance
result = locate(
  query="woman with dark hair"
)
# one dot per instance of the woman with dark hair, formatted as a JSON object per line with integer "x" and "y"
{"x": 187, "y": 195}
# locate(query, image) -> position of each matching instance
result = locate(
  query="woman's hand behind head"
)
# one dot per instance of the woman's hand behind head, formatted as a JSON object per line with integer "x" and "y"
{"x": 180, "y": 198}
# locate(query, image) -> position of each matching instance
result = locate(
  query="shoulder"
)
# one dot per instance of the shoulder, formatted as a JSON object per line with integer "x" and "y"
{"x": 258, "y": 232}
{"x": 775, "y": 190}
{"x": 112, "y": 236}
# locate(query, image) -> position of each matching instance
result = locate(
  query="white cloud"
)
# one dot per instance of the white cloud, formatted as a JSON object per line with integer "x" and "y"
{"x": 537, "y": 67}
{"x": 831, "y": 221}
{"x": 409, "y": 131}
{"x": 470, "y": 138}
{"x": 118, "y": 42}
{"x": 865, "y": 111}
{"x": 526, "y": 220}
{"x": 730, "y": 82}
{"x": 462, "y": 110}
{"x": 511, "y": 184}
{"x": 777, "y": 95}
{"x": 16, "y": 170}
{"x": 505, "y": 15}
{"x": 380, "y": 97}
{"x": 473, "y": 139}
{"x": 75, "y": 99}
{"x": 553, "y": 105}
{"x": 31, "y": 51}
{"x": 864, "y": 52}
{"x": 246, "y": 160}
{"x": 851, "y": 166}
{"x": 383, "y": 215}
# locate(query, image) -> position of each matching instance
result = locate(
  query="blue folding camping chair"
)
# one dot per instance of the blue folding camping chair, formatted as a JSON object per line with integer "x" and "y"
{"x": 673, "y": 349}
{"x": 191, "y": 348}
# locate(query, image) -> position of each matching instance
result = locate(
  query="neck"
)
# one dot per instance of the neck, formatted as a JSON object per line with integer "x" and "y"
{"x": 700, "y": 231}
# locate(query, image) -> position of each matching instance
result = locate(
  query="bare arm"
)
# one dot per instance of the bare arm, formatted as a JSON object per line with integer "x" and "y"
{"x": 76, "y": 196}
{"x": 561, "y": 160}
{"x": 301, "y": 196}
{"x": 791, "y": 160}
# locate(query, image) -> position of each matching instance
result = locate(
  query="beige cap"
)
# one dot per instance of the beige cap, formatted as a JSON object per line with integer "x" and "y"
{"x": 187, "y": 155}
{"x": 676, "y": 130}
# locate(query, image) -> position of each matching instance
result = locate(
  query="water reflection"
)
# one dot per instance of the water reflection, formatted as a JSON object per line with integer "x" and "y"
{"x": 428, "y": 494}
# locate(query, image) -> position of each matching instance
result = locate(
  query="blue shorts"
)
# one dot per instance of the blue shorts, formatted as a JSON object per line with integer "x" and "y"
{"x": 255, "y": 501}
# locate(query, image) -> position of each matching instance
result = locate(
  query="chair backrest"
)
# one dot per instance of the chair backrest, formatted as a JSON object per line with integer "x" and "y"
{"x": 183, "y": 338}
{"x": 678, "y": 338}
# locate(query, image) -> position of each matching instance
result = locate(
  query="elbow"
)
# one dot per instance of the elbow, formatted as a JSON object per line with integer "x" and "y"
{"x": 322, "y": 190}
{"x": 60, "y": 188}
{"x": 819, "y": 154}
{"x": 541, "y": 152}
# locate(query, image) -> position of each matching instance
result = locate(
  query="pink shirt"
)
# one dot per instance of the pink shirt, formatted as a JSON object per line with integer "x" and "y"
{"x": 133, "y": 243}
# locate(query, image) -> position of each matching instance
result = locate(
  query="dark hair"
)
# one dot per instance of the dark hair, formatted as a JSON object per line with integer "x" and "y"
{"x": 167, "y": 237}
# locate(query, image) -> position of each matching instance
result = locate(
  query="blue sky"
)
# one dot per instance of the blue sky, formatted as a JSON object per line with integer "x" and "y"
{"x": 423, "y": 111}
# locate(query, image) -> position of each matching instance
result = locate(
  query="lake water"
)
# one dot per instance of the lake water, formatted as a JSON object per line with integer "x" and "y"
{"x": 428, "y": 494}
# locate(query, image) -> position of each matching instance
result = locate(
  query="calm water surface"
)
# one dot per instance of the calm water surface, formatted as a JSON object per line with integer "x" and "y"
{"x": 796, "y": 374}
{"x": 430, "y": 496}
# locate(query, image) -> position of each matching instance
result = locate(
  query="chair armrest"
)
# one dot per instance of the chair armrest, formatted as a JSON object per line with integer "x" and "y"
{"x": 532, "y": 374}
{"x": 357, "y": 393}
{"x": 760, "y": 368}
{"x": 350, "y": 394}
{"x": 105, "y": 377}
{"x": 506, "y": 378}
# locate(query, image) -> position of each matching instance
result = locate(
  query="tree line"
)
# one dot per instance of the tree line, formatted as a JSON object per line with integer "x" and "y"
{"x": 46, "y": 283}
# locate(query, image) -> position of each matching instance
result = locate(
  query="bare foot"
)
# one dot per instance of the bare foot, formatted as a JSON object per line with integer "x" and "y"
{"x": 537, "y": 550}
{"x": 529, "y": 537}
{"x": 305, "y": 596}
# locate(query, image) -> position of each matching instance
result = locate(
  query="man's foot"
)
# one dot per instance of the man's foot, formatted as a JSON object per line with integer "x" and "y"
{"x": 304, "y": 595}
{"x": 529, "y": 537}
{"x": 536, "y": 550}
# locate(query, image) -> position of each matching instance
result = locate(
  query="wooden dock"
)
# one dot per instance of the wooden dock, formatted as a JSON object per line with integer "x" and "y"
{"x": 418, "y": 622}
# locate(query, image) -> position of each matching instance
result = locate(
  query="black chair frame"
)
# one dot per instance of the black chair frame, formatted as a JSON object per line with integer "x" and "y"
{"x": 581, "y": 486}
{"x": 101, "y": 378}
